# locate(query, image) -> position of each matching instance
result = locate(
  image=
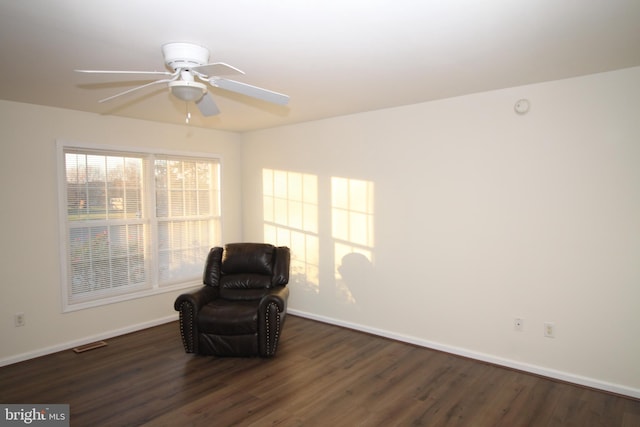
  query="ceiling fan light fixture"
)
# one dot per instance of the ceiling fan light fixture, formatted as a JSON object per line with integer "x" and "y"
{"x": 187, "y": 91}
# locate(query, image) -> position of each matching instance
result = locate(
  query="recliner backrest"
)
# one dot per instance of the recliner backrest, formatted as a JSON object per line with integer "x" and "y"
{"x": 246, "y": 270}
{"x": 211, "y": 276}
{"x": 254, "y": 258}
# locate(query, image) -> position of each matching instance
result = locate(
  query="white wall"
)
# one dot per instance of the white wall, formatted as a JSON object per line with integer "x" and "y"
{"x": 29, "y": 223}
{"x": 482, "y": 216}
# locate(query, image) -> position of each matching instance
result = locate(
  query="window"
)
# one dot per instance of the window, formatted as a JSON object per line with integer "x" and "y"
{"x": 134, "y": 223}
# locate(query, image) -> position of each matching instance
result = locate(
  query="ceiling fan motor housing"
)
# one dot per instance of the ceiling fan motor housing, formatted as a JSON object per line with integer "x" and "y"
{"x": 184, "y": 55}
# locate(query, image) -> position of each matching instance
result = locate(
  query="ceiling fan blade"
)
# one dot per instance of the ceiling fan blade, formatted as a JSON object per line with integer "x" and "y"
{"x": 136, "y": 89}
{"x": 207, "y": 105}
{"x": 249, "y": 90}
{"x": 216, "y": 69}
{"x": 152, "y": 73}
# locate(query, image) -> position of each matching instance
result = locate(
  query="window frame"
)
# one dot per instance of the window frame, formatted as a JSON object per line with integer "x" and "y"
{"x": 150, "y": 219}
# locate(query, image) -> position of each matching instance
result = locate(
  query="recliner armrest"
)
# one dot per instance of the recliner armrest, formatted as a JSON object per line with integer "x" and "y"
{"x": 189, "y": 304}
{"x": 198, "y": 298}
{"x": 271, "y": 314}
{"x": 278, "y": 295}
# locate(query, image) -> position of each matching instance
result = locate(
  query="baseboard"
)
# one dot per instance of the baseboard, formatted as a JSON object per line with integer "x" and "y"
{"x": 512, "y": 364}
{"x": 86, "y": 340}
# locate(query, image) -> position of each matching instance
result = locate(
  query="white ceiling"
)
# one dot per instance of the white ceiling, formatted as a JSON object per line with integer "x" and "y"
{"x": 333, "y": 57}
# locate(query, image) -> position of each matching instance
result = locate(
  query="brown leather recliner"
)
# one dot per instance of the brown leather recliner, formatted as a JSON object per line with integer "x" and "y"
{"x": 241, "y": 308}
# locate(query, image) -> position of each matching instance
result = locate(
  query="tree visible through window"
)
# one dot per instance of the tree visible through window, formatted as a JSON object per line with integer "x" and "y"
{"x": 135, "y": 223}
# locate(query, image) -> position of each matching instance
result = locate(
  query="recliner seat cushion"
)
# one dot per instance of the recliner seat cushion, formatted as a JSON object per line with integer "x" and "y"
{"x": 245, "y": 281}
{"x": 243, "y": 294}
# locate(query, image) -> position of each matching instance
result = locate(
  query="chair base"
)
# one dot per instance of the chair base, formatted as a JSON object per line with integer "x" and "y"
{"x": 228, "y": 345}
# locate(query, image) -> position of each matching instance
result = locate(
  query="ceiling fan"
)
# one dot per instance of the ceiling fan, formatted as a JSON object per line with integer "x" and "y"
{"x": 189, "y": 63}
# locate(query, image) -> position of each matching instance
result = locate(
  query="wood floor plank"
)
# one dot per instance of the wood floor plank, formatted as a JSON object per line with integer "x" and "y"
{"x": 322, "y": 375}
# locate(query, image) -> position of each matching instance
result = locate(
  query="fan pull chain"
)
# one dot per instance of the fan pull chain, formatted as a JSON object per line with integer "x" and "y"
{"x": 188, "y": 118}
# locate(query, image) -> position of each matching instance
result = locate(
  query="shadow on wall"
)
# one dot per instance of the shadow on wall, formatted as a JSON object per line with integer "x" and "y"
{"x": 293, "y": 204}
{"x": 356, "y": 283}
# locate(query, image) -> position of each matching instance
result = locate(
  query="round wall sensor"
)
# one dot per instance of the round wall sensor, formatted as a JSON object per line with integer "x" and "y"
{"x": 522, "y": 106}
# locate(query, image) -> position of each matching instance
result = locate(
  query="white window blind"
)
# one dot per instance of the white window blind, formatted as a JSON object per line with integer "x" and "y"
{"x": 135, "y": 223}
{"x": 187, "y": 211}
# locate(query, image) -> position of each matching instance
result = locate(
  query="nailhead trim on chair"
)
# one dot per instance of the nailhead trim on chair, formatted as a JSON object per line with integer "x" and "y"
{"x": 271, "y": 350}
{"x": 268, "y": 328}
{"x": 187, "y": 319}
{"x": 277, "y": 337}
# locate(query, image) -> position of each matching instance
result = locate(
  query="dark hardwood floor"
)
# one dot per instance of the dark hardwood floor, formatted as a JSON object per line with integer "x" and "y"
{"x": 323, "y": 375}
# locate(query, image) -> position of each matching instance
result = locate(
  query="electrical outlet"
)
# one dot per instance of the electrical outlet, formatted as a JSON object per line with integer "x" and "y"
{"x": 549, "y": 329}
{"x": 518, "y": 324}
{"x": 19, "y": 319}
